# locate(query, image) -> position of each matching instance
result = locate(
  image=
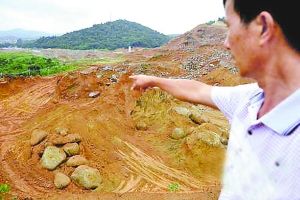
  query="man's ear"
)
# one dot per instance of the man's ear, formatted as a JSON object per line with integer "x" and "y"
{"x": 266, "y": 26}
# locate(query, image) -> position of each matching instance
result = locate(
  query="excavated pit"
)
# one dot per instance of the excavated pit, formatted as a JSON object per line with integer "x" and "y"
{"x": 128, "y": 136}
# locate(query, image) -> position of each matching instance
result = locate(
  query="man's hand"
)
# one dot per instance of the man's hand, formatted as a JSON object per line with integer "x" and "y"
{"x": 183, "y": 89}
{"x": 141, "y": 82}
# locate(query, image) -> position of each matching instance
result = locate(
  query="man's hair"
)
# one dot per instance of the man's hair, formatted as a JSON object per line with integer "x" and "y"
{"x": 283, "y": 12}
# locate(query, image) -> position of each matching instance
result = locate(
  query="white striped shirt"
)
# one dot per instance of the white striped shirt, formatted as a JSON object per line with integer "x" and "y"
{"x": 263, "y": 155}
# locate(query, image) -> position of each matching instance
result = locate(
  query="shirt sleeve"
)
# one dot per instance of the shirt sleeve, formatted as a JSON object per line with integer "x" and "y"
{"x": 228, "y": 99}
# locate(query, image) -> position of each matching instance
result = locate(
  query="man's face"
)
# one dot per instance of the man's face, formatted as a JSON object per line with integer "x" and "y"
{"x": 241, "y": 42}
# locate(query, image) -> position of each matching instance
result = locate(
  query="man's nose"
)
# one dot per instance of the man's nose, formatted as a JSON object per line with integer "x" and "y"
{"x": 226, "y": 43}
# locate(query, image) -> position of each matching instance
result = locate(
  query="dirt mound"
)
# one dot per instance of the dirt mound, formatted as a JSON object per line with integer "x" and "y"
{"x": 223, "y": 77}
{"x": 200, "y": 36}
{"x": 12, "y": 85}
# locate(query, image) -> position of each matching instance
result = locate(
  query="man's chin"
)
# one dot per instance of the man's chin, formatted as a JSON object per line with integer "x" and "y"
{"x": 247, "y": 75}
{"x": 244, "y": 73}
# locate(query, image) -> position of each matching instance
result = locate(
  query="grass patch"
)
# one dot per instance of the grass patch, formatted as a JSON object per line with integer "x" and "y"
{"x": 98, "y": 61}
{"x": 4, "y": 188}
{"x": 173, "y": 187}
{"x": 27, "y": 64}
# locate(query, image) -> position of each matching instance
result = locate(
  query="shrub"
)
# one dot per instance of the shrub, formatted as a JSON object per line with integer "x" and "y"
{"x": 173, "y": 187}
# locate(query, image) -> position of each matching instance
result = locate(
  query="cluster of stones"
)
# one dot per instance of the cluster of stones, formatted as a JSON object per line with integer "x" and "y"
{"x": 114, "y": 78}
{"x": 198, "y": 65}
{"x": 206, "y": 132}
{"x": 63, "y": 148}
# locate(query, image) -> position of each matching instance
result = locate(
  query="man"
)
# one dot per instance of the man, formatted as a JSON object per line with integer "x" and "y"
{"x": 263, "y": 155}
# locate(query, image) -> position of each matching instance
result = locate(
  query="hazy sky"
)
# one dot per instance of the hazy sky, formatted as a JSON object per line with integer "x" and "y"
{"x": 61, "y": 16}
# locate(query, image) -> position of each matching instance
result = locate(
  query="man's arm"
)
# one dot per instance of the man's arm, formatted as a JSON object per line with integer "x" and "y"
{"x": 183, "y": 89}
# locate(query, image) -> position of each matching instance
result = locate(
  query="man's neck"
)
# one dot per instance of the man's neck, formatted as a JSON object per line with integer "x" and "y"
{"x": 282, "y": 78}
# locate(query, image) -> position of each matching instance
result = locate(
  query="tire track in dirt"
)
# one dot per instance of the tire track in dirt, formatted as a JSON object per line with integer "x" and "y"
{"x": 21, "y": 106}
{"x": 14, "y": 110}
{"x": 154, "y": 171}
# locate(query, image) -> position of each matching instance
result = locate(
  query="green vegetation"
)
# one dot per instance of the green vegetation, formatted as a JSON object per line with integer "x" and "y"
{"x": 4, "y": 188}
{"x": 220, "y": 19}
{"x": 97, "y": 61}
{"x": 173, "y": 187}
{"x": 110, "y": 35}
{"x": 26, "y": 64}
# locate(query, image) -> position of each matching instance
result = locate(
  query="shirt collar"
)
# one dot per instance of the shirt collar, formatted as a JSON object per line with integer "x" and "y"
{"x": 284, "y": 117}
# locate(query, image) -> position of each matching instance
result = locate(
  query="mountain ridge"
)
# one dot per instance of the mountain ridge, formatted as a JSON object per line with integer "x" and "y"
{"x": 109, "y": 35}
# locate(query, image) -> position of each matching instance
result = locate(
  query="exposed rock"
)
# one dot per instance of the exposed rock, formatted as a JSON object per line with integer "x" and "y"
{"x": 37, "y": 136}
{"x": 207, "y": 137}
{"x": 77, "y": 160}
{"x": 61, "y": 180}
{"x": 99, "y": 75}
{"x": 114, "y": 78}
{"x": 198, "y": 118}
{"x": 52, "y": 157}
{"x": 205, "y": 134}
{"x": 141, "y": 126}
{"x": 71, "y": 149}
{"x": 107, "y": 68}
{"x": 73, "y": 138}
{"x": 87, "y": 177}
{"x": 94, "y": 94}
{"x": 178, "y": 133}
{"x": 70, "y": 138}
{"x": 182, "y": 111}
{"x": 62, "y": 131}
{"x": 55, "y": 101}
{"x": 59, "y": 140}
{"x": 224, "y": 141}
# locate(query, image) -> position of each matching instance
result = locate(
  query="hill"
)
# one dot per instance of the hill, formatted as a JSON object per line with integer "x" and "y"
{"x": 110, "y": 35}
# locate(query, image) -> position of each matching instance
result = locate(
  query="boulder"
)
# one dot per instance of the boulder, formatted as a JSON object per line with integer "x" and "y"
{"x": 197, "y": 118}
{"x": 87, "y": 177}
{"x": 52, "y": 157}
{"x": 94, "y": 94}
{"x": 61, "y": 180}
{"x": 178, "y": 133}
{"x": 70, "y": 138}
{"x": 37, "y": 136}
{"x": 206, "y": 133}
{"x": 77, "y": 160}
{"x": 58, "y": 140}
{"x": 107, "y": 68}
{"x": 182, "y": 111}
{"x": 62, "y": 131}
{"x": 114, "y": 78}
{"x": 71, "y": 149}
{"x": 141, "y": 126}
